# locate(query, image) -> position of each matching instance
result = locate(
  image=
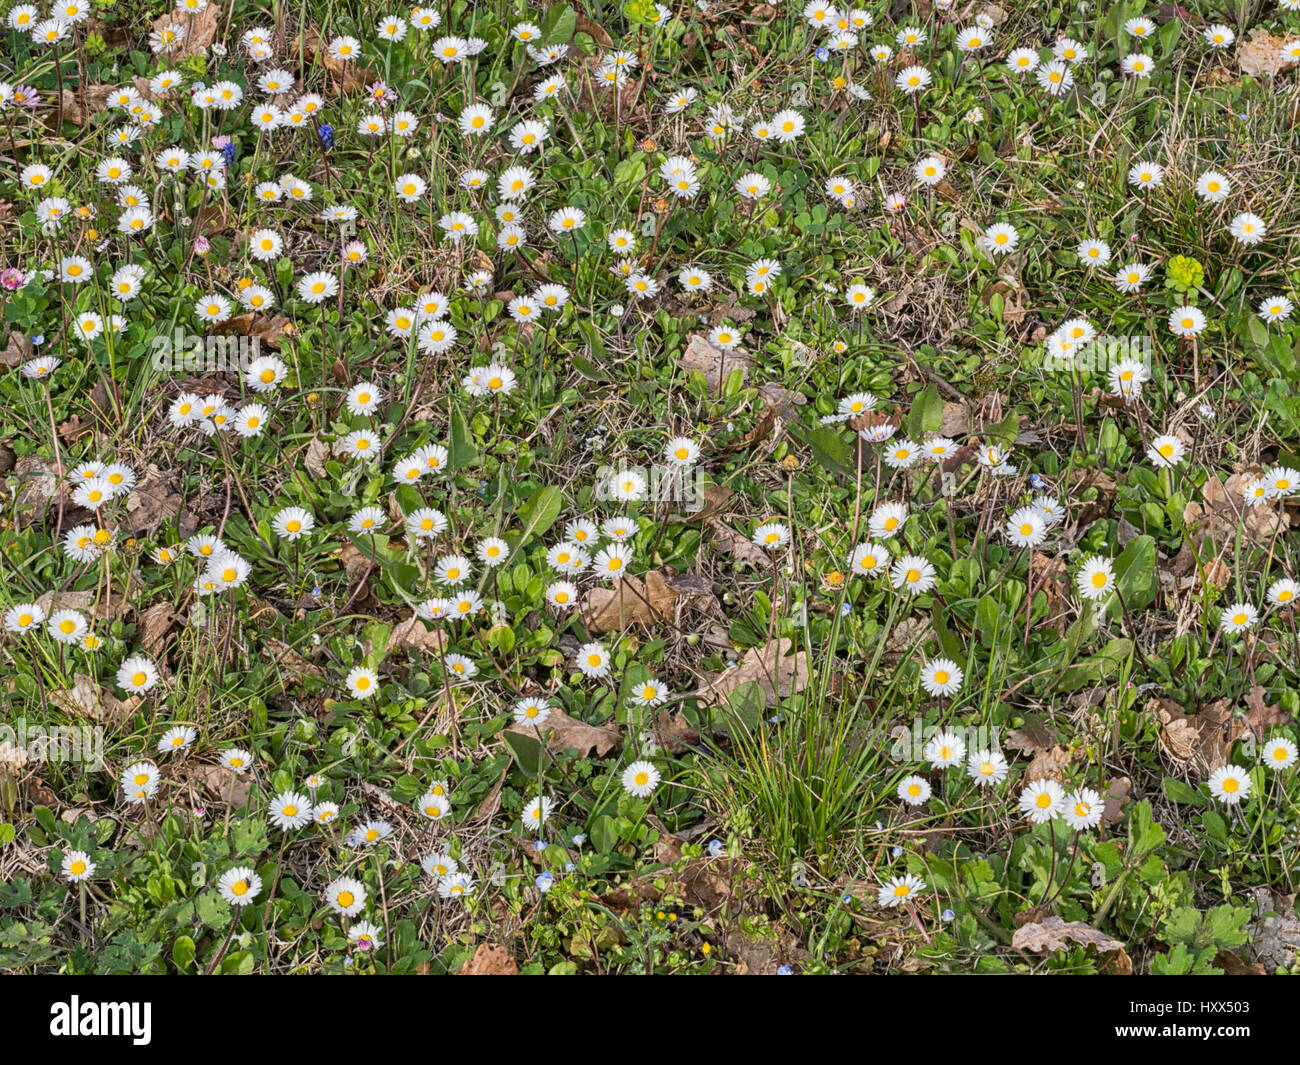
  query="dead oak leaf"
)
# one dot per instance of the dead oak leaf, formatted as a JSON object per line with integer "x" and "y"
{"x": 1263, "y": 53}
{"x": 1259, "y": 715}
{"x": 631, "y": 601}
{"x": 416, "y": 636}
{"x": 564, "y": 733}
{"x": 1049, "y": 764}
{"x": 773, "y": 668}
{"x": 1055, "y": 933}
{"x": 266, "y": 329}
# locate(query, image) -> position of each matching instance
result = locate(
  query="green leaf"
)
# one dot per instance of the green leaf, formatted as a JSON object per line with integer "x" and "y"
{"x": 249, "y": 836}
{"x": 746, "y": 703}
{"x": 926, "y": 415}
{"x": 831, "y": 450}
{"x": 45, "y": 818}
{"x": 7, "y": 833}
{"x": 183, "y": 953}
{"x": 538, "y": 513}
{"x": 462, "y": 452}
{"x": 1177, "y": 791}
{"x": 526, "y": 750}
{"x": 604, "y": 834}
{"x": 1135, "y": 576}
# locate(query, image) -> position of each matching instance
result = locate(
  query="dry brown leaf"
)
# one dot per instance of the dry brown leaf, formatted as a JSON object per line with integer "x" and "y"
{"x": 1033, "y": 736}
{"x": 317, "y": 453}
{"x": 1223, "y": 511}
{"x": 266, "y": 329}
{"x": 356, "y": 563}
{"x": 413, "y": 634}
{"x": 739, "y": 547}
{"x": 565, "y": 733}
{"x": 1115, "y": 798}
{"x": 86, "y": 699}
{"x": 674, "y": 733}
{"x": 713, "y": 504}
{"x": 1049, "y": 764}
{"x": 223, "y": 785}
{"x": 1259, "y": 715}
{"x": 1261, "y": 53}
{"x": 155, "y": 499}
{"x": 38, "y": 478}
{"x": 956, "y": 420}
{"x": 778, "y": 672}
{"x": 715, "y": 364}
{"x": 17, "y": 350}
{"x": 489, "y": 960}
{"x": 200, "y": 30}
{"x": 155, "y": 626}
{"x": 631, "y": 601}
{"x": 1204, "y": 738}
{"x": 1234, "y": 966}
{"x": 1055, "y": 933}
{"x": 594, "y": 30}
{"x": 284, "y": 655}
{"x": 492, "y": 800}
{"x": 348, "y": 78}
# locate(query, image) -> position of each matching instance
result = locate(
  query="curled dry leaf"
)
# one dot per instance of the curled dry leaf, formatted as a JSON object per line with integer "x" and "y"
{"x": 200, "y": 30}
{"x": 86, "y": 699}
{"x": 1115, "y": 798}
{"x": 1049, "y": 764}
{"x": 1202, "y": 739}
{"x": 155, "y": 626}
{"x": 268, "y": 329}
{"x": 489, "y": 960}
{"x": 1055, "y": 933}
{"x": 17, "y": 350}
{"x": 779, "y": 673}
{"x": 155, "y": 499}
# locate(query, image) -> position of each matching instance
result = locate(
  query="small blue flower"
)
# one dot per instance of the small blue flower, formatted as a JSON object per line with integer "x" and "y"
{"x": 1036, "y": 481}
{"x": 898, "y": 851}
{"x": 579, "y": 838}
{"x": 947, "y": 915}
{"x": 38, "y": 340}
{"x": 539, "y": 844}
{"x": 823, "y": 54}
{"x": 715, "y": 848}
{"x": 544, "y": 882}
{"x": 228, "y": 153}
{"x": 784, "y": 970}
{"x": 846, "y": 609}
{"x": 326, "y": 132}
{"x": 569, "y": 867}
